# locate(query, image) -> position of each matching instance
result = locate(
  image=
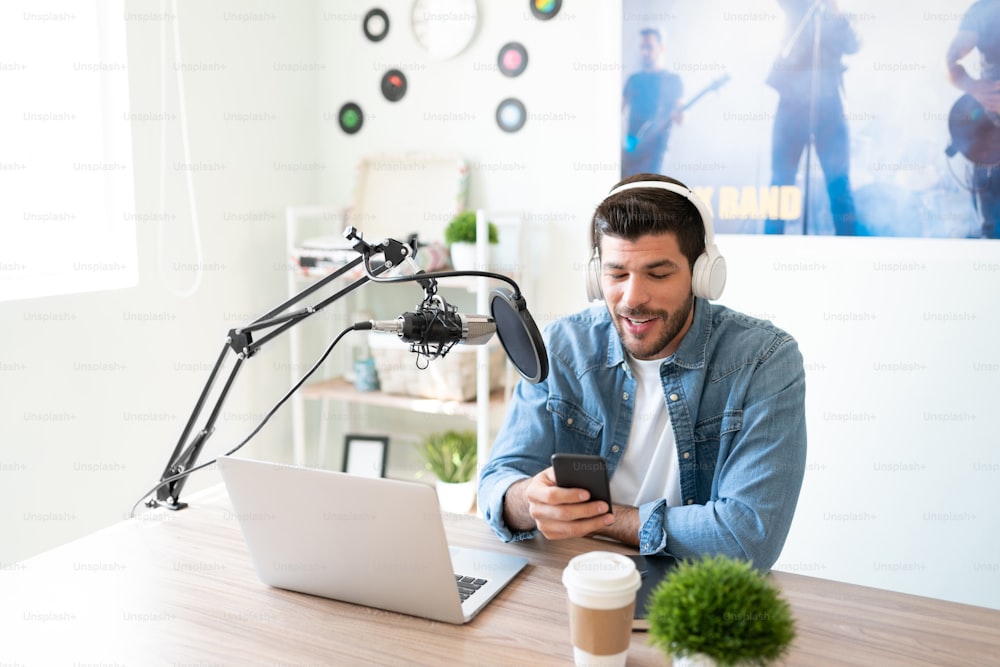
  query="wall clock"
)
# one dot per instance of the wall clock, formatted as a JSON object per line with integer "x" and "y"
{"x": 444, "y": 28}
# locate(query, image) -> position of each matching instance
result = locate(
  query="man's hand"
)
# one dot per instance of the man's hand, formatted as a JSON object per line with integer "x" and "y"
{"x": 556, "y": 512}
{"x": 986, "y": 92}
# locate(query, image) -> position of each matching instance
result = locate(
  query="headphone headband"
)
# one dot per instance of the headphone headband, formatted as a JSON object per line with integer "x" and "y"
{"x": 706, "y": 215}
{"x": 708, "y": 274}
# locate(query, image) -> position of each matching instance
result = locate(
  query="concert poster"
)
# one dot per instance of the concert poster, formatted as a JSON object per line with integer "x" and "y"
{"x": 819, "y": 117}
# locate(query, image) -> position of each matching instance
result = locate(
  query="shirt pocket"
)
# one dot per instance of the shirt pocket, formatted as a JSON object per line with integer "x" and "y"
{"x": 708, "y": 434}
{"x": 576, "y": 431}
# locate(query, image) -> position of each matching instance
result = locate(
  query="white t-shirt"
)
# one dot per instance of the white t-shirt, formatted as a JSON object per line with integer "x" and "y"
{"x": 648, "y": 469}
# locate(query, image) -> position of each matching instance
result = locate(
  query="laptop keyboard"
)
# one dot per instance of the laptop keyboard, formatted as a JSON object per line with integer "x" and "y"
{"x": 468, "y": 585}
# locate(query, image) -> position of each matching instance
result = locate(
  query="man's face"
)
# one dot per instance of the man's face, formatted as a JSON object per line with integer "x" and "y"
{"x": 649, "y": 51}
{"x": 647, "y": 289}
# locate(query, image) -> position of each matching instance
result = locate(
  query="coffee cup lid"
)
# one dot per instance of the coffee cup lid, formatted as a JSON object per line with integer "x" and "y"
{"x": 599, "y": 572}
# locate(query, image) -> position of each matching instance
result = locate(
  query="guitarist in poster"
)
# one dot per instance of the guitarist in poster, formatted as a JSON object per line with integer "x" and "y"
{"x": 651, "y": 99}
{"x": 808, "y": 76}
{"x": 977, "y": 130}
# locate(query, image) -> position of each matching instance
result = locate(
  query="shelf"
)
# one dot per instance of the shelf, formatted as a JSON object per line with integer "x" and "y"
{"x": 341, "y": 389}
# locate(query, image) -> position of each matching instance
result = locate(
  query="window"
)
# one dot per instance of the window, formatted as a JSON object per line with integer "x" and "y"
{"x": 67, "y": 220}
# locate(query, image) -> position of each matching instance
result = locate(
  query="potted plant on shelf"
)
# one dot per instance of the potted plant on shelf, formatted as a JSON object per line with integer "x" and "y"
{"x": 460, "y": 235}
{"x": 451, "y": 457}
{"x": 719, "y": 611}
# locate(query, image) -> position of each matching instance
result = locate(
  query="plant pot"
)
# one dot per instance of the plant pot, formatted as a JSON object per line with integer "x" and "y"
{"x": 463, "y": 257}
{"x": 456, "y": 498}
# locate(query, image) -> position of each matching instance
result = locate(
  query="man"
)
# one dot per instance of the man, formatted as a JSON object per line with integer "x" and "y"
{"x": 980, "y": 29}
{"x": 698, "y": 410}
{"x": 810, "y": 110}
{"x": 651, "y": 99}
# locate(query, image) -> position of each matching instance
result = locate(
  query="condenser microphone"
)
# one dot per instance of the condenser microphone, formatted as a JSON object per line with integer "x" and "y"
{"x": 443, "y": 327}
{"x": 437, "y": 326}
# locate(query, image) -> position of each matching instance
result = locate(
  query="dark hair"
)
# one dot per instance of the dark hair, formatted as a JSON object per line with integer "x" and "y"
{"x": 652, "y": 31}
{"x": 640, "y": 211}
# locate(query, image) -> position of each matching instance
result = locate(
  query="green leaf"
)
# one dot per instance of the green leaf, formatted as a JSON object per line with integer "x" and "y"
{"x": 450, "y": 455}
{"x": 462, "y": 229}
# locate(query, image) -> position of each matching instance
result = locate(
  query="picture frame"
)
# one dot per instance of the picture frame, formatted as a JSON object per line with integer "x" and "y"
{"x": 365, "y": 455}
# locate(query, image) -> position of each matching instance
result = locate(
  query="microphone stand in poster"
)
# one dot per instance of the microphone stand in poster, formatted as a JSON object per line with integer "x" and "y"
{"x": 808, "y": 76}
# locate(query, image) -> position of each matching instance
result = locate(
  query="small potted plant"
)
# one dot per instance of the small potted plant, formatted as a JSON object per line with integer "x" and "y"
{"x": 460, "y": 235}
{"x": 719, "y": 611}
{"x": 451, "y": 457}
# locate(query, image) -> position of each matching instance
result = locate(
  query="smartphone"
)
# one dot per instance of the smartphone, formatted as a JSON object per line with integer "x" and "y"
{"x": 583, "y": 471}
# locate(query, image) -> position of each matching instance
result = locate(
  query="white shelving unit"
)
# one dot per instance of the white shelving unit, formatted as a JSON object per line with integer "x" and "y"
{"x": 484, "y": 411}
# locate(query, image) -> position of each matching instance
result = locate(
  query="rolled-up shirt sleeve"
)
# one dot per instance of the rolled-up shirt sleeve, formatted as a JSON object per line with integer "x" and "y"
{"x": 652, "y": 527}
{"x": 523, "y": 448}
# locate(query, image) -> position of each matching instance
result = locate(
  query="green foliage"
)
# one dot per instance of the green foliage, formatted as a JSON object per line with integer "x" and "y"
{"x": 463, "y": 228}
{"x": 451, "y": 455}
{"x": 722, "y": 608}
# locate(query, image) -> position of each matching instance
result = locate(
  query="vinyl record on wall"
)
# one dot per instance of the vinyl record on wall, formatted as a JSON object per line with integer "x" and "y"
{"x": 394, "y": 85}
{"x": 350, "y": 118}
{"x": 511, "y": 115}
{"x": 512, "y": 59}
{"x": 545, "y": 9}
{"x": 375, "y": 25}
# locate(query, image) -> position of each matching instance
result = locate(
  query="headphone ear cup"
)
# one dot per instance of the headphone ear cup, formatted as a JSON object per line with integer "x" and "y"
{"x": 708, "y": 278}
{"x": 594, "y": 291}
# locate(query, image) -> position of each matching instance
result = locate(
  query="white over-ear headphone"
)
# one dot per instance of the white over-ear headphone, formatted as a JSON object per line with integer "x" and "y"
{"x": 708, "y": 276}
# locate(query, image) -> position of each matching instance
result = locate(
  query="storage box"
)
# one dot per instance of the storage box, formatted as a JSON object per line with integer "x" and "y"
{"x": 452, "y": 377}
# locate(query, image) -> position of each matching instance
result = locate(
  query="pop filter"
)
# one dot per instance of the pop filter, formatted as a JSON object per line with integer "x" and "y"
{"x": 519, "y": 335}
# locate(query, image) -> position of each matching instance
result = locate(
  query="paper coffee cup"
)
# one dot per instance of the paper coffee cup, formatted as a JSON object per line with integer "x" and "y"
{"x": 601, "y": 589}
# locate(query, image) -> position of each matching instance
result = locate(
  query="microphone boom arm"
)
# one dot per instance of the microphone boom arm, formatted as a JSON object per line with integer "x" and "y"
{"x": 241, "y": 341}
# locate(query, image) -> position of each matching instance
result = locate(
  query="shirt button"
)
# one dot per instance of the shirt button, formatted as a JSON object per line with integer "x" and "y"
{"x": 674, "y": 397}
{"x": 569, "y": 422}
{"x": 615, "y": 448}
{"x": 687, "y": 455}
{"x": 690, "y": 501}
{"x": 625, "y": 396}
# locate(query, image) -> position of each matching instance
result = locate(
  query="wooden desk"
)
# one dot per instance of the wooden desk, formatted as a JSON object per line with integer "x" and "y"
{"x": 178, "y": 588}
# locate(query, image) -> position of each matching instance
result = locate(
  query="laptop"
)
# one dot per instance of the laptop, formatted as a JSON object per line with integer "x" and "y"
{"x": 369, "y": 541}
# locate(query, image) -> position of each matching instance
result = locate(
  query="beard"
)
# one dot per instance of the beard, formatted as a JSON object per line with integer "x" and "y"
{"x": 651, "y": 345}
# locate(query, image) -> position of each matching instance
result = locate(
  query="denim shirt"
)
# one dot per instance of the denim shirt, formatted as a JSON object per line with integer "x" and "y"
{"x": 735, "y": 389}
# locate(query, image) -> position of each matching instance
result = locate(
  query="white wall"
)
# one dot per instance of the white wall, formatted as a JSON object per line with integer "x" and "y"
{"x": 903, "y": 466}
{"x": 96, "y": 387}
